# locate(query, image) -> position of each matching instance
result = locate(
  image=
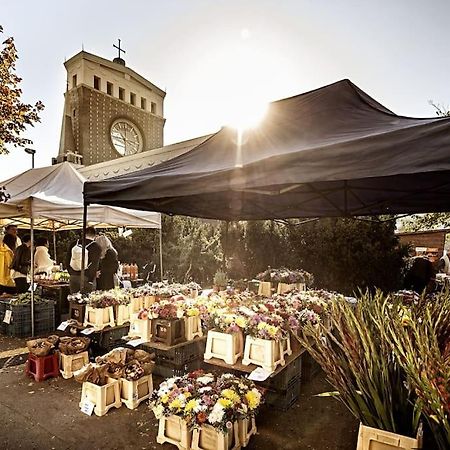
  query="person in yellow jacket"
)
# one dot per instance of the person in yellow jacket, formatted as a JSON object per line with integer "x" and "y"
{"x": 6, "y": 256}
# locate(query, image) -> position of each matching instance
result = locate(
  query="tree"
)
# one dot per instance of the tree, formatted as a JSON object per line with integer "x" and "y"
{"x": 14, "y": 115}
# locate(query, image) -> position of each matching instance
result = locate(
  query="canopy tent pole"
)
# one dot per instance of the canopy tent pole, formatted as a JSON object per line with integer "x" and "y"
{"x": 32, "y": 265}
{"x": 225, "y": 247}
{"x": 83, "y": 246}
{"x": 160, "y": 254}
{"x": 54, "y": 241}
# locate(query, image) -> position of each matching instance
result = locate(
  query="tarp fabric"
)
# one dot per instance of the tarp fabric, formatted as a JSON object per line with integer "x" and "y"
{"x": 334, "y": 151}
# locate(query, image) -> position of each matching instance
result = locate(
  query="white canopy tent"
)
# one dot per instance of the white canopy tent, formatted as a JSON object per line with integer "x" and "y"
{"x": 51, "y": 198}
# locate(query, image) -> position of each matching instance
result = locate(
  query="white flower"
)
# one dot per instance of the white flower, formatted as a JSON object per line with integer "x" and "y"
{"x": 205, "y": 379}
{"x": 158, "y": 411}
{"x": 204, "y": 389}
{"x": 216, "y": 415}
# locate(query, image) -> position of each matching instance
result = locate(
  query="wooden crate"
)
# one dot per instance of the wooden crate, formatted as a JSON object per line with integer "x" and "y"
{"x": 140, "y": 328}
{"x": 284, "y": 287}
{"x": 265, "y": 289}
{"x": 208, "y": 438}
{"x": 169, "y": 332}
{"x": 121, "y": 314}
{"x": 374, "y": 439}
{"x": 247, "y": 428}
{"x": 132, "y": 393}
{"x": 136, "y": 304}
{"x": 104, "y": 397}
{"x": 174, "y": 430}
{"x": 227, "y": 347}
{"x": 193, "y": 327}
{"x": 69, "y": 364}
{"x": 99, "y": 318}
{"x": 265, "y": 353}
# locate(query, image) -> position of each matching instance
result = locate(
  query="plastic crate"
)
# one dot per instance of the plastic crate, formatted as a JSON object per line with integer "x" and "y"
{"x": 107, "y": 339}
{"x": 284, "y": 399}
{"x": 310, "y": 368}
{"x": 20, "y": 326}
{"x": 172, "y": 370}
{"x": 282, "y": 380}
{"x": 179, "y": 355}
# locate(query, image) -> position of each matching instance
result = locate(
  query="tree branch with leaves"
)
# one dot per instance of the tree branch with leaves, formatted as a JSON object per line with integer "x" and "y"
{"x": 15, "y": 115}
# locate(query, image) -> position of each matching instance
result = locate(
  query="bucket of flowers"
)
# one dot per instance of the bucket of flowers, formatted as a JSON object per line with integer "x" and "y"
{"x": 266, "y": 342}
{"x": 225, "y": 338}
{"x": 99, "y": 310}
{"x": 167, "y": 322}
{"x": 200, "y": 411}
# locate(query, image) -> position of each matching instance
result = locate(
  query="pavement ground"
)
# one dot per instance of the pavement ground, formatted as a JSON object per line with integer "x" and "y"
{"x": 46, "y": 416}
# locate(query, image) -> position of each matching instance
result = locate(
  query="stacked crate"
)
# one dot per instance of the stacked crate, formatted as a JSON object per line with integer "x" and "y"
{"x": 178, "y": 359}
{"x": 20, "y": 325}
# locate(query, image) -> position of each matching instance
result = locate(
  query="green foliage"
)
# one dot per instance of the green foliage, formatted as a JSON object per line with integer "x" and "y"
{"x": 342, "y": 254}
{"x": 14, "y": 115}
{"x": 360, "y": 365}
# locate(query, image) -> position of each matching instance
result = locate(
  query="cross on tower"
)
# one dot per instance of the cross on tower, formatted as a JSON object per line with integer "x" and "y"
{"x": 119, "y": 49}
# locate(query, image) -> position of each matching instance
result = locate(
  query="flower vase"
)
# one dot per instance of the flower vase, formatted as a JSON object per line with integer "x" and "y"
{"x": 140, "y": 328}
{"x": 265, "y": 289}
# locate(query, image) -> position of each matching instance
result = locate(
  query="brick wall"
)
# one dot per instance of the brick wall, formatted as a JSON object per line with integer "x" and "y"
{"x": 93, "y": 113}
{"x": 435, "y": 239}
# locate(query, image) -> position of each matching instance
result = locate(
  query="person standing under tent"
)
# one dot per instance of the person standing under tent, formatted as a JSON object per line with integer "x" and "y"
{"x": 21, "y": 265}
{"x": 74, "y": 261}
{"x": 6, "y": 257}
{"x": 42, "y": 261}
{"x": 444, "y": 264}
{"x": 12, "y": 230}
{"x": 108, "y": 265}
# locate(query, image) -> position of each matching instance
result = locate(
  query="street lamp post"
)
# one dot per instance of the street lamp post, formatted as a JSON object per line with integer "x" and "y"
{"x": 32, "y": 152}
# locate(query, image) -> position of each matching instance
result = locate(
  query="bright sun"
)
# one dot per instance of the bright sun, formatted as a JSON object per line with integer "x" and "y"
{"x": 248, "y": 113}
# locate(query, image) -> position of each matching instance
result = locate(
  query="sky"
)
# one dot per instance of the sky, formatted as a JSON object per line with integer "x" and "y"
{"x": 219, "y": 60}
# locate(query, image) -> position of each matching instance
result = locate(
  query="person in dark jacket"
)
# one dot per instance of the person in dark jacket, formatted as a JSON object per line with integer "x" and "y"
{"x": 421, "y": 276}
{"x": 109, "y": 263}
{"x": 90, "y": 273}
{"x": 21, "y": 265}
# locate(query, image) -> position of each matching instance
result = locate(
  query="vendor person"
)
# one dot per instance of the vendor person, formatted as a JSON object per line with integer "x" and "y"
{"x": 7, "y": 247}
{"x": 444, "y": 264}
{"x": 42, "y": 261}
{"x": 421, "y": 275}
{"x": 12, "y": 230}
{"x": 108, "y": 265}
{"x": 21, "y": 265}
{"x": 73, "y": 263}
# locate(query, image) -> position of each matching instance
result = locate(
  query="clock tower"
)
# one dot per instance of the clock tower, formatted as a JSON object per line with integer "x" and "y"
{"x": 109, "y": 111}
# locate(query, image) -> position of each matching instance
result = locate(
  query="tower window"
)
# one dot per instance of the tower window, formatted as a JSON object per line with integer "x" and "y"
{"x": 132, "y": 98}
{"x": 109, "y": 88}
{"x": 122, "y": 93}
{"x": 143, "y": 103}
{"x": 97, "y": 83}
{"x": 74, "y": 81}
{"x": 153, "y": 110}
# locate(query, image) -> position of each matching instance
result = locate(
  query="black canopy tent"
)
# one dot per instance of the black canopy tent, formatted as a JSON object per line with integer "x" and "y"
{"x": 334, "y": 151}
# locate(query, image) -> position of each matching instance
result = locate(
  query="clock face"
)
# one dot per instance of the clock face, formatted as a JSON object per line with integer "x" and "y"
{"x": 126, "y": 138}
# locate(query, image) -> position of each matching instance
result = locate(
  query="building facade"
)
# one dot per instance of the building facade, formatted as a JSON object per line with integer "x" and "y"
{"x": 110, "y": 111}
